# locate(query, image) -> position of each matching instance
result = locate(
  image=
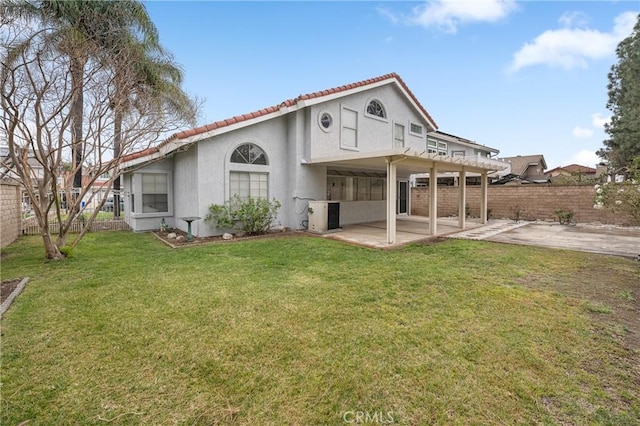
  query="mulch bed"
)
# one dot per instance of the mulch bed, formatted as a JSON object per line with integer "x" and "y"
{"x": 7, "y": 287}
{"x": 183, "y": 242}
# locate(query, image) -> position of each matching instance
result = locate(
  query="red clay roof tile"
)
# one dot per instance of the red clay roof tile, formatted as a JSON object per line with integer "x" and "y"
{"x": 290, "y": 102}
{"x": 139, "y": 154}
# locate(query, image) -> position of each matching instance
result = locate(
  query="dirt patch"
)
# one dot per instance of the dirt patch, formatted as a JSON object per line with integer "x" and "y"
{"x": 7, "y": 287}
{"x": 611, "y": 299}
{"x": 182, "y": 241}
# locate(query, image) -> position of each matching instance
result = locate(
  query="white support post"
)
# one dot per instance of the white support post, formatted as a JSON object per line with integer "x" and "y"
{"x": 433, "y": 200}
{"x": 391, "y": 200}
{"x": 483, "y": 197}
{"x": 462, "y": 199}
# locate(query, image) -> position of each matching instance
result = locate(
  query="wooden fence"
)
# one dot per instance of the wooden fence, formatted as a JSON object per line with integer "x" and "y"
{"x": 32, "y": 228}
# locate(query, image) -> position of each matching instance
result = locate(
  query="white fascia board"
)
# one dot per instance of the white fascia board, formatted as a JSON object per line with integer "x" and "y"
{"x": 326, "y": 98}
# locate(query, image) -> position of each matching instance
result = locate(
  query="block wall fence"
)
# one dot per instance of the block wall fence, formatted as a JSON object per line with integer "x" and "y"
{"x": 537, "y": 202}
{"x": 10, "y": 212}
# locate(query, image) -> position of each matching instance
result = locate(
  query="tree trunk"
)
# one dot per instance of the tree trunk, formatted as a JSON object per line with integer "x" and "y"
{"x": 77, "y": 106}
{"x": 117, "y": 140}
{"x": 50, "y": 248}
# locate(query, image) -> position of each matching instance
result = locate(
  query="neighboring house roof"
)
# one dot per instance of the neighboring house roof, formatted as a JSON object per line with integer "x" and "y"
{"x": 462, "y": 141}
{"x": 573, "y": 168}
{"x": 521, "y": 163}
{"x": 289, "y": 105}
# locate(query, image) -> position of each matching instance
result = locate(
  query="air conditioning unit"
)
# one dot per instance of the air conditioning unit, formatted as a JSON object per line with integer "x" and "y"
{"x": 324, "y": 216}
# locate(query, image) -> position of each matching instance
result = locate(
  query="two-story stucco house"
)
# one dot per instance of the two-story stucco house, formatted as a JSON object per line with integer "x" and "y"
{"x": 353, "y": 147}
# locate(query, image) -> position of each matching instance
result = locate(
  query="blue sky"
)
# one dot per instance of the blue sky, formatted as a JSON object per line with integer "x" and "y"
{"x": 522, "y": 77}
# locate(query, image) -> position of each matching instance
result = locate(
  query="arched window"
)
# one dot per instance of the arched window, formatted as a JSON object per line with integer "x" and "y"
{"x": 375, "y": 108}
{"x": 250, "y": 177}
{"x": 249, "y": 154}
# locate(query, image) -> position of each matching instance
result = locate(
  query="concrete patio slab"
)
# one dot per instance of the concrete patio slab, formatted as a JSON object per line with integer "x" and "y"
{"x": 617, "y": 241}
{"x": 408, "y": 229}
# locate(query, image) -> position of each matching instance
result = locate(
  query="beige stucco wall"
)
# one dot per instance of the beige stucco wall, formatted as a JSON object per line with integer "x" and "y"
{"x": 537, "y": 202}
{"x": 10, "y": 212}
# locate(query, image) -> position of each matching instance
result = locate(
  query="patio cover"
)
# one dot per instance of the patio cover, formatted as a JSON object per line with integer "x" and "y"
{"x": 407, "y": 161}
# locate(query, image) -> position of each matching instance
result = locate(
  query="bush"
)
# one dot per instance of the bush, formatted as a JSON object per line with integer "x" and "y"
{"x": 622, "y": 197}
{"x": 252, "y": 215}
{"x": 564, "y": 216}
{"x": 517, "y": 213}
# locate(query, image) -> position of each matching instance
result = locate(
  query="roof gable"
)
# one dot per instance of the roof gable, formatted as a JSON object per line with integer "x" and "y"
{"x": 520, "y": 163}
{"x": 315, "y": 97}
{"x": 574, "y": 168}
{"x": 289, "y": 105}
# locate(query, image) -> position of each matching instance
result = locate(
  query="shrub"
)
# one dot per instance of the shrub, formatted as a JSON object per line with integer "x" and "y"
{"x": 622, "y": 197}
{"x": 517, "y": 213}
{"x": 564, "y": 216}
{"x": 252, "y": 215}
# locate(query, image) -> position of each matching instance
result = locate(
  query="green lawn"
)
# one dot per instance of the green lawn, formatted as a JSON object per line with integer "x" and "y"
{"x": 307, "y": 331}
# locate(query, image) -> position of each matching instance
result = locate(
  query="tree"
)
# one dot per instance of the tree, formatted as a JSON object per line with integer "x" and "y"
{"x": 38, "y": 91}
{"x": 154, "y": 73}
{"x": 623, "y": 144}
{"x": 622, "y": 197}
{"x": 82, "y": 29}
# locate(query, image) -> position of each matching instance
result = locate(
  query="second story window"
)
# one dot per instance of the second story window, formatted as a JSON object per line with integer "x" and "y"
{"x": 416, "y": 129}
{"x": 435, "y": 146}
{"x": 376, "y": 109}
{"x": 398, "y": 136}
{"x": 349, "y": 129}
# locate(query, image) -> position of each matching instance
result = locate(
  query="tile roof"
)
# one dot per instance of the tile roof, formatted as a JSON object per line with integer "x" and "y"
{"x": 139, "y": 154}
{"x": 287, "y": 103}
{"x": 294, "y": 101}
{"x": 574, "y": 168}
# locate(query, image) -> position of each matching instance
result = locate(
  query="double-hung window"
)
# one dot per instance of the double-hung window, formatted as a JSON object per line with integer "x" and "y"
{"x": 155, "y": 193}
{"x": 249, "y": 175}
{"x": 249, "y": 184}
{"x": 398, "y": 136}
{"x": 349, "y": 131}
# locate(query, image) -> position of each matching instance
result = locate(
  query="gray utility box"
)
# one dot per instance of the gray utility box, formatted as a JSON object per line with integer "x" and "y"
{"x": 324, "y": 216}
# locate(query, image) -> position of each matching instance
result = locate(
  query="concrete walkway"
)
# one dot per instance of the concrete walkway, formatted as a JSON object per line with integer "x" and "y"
{"x": 604, "y": 239}
{"x": 493, "y": 227}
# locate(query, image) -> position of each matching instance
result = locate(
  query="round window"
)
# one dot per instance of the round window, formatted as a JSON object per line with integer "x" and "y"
{"x": 326, "y": 120}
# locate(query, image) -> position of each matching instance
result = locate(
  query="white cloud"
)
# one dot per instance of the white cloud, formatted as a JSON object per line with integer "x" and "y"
{"x": 390, "y": 15}
{"x": 574, "y": 19}
{"x": 584, "y": 158}
{"x": 573, "y": 47}
{"x": 598, "y": 120}
{"x": 448, "y": 15}
{"x": 582, "y": 132}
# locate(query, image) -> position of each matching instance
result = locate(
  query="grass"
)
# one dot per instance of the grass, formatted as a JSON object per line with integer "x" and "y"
{"x": 308, "y": 331}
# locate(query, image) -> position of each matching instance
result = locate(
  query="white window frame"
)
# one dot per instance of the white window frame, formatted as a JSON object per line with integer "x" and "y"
{"x": 384, "y": 119}
{"x": 437, "y": 146}
{"x": 137, "y": 193}
{"x": 231, "y": 167}
{"x": 395, "y": 135}
{"x": 325, "y": 129}
{"x": 343, "y": 127}
{"x": 411, "y": 132}
{"x": 250, "y": 175}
